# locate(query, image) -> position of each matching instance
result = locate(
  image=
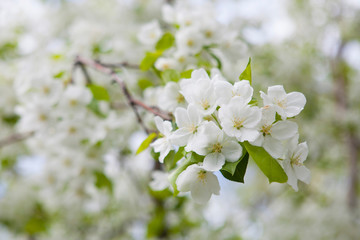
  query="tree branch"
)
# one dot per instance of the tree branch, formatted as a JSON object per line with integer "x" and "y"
{"x": 134, "y": 103}
{"x": 17, "y": 137}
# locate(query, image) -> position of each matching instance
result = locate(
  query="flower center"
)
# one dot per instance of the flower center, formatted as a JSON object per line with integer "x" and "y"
{"x": 73, "y": 102}
{"x": 205, "y": 104}
{"x": 216, "y": 148}
{"x": 190, "y": 43}
{"x": 281, "y": 103}
{"x": 208, "y": 34}
{"x": 193, "y": 128}
{"x": 180, "y": 98}
{"x": 295, "y": 160}
{"x": 202, "y": 176}
{"x": 238, "y": 123}
{"x": 266, "y": 130}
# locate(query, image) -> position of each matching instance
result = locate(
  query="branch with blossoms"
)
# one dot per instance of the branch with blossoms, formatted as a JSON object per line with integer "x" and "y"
{"x": 109, "y": 69}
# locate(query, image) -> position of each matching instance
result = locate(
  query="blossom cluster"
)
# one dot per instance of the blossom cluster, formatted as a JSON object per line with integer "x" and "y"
{"x": 218, "y": 120}
{"x": 195, "y": 32}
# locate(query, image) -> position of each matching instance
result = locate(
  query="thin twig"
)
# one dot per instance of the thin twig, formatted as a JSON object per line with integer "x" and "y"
{"x": 119, "y": 65}
{"x": 107, "y": 69}
{"x": 17, "y": 137}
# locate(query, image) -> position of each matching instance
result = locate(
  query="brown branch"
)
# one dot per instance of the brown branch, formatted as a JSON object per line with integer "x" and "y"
{"x": 108, "y": 69}
{"x": 351, "y": 141}
{"x": 17, "y": 137}
{"x": 119, "y": 65}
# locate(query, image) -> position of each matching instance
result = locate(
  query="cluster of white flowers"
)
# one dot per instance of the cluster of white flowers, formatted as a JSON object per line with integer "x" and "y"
{"x": 215, "y": 117}
{"x": 194, "y": 30}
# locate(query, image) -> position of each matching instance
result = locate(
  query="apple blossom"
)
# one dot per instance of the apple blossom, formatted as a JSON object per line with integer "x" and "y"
{"x": 200, "y": 182}
{"x": 286, "y": 104}
{"x": 163, "y": 144}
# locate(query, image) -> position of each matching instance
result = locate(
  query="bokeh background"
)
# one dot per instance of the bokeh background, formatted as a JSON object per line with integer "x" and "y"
{"x": 310, "y": 46}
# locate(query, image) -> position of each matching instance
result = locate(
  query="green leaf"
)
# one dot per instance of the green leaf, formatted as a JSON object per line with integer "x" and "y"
{"x": 268, "y": 165}
{"x": 165, "y": 42}
{"x": 149, "y": 60}
{"x": 145, "y": 144}
{"x": 156, "y": 224}
{"x": 59, "y": 74}
{"x": 172, "y": 158}
{"x": 170, "y": 75}
{"x": 144, "y": 83}
{"x": 218, "y": 61}
{"x": 11, "y": 119}
{"x": 94, "y": 107}
{"x": 246, "y": 74}
{"x": 186, "y": 74}
{"x": 236, "y": 171}
{"x": 102, "y": 181}
{"x": 99, "y": 92}
{"x": 38, "y": 222}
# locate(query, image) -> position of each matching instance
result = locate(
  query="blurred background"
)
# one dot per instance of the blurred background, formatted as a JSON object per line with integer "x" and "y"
{"x": 308, "y": 46}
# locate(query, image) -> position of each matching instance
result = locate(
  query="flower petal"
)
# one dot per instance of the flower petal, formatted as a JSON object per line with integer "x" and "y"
{"x": 283, "y": 130}
{"x": 273, "y": 146}
{"x": 232, "y": 151}
{"x": 214, "y": 161}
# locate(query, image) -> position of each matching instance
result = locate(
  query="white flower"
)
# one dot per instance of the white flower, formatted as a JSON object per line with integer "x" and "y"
{"x": 199, "y": 90}
{"x": 225, "y": 91}
{"x": 201, "y": 183}
{"x": 293, "y": 164}
{"x": 240, "y": 120}
{"x": 286, "y": 105}
{"x": 216, "y": 147}
{"x": 189, "y": 40}
{"x": 170, "y": 97}
{"x": 163, "y": 145}
{"x": 272, "y": 134}
{"x": 188, "y": 122}
{"x": 75, "y": 97}
{"x": 160, "y": 180}
{"x": 150, "y": 33}
{"x": 165, "y": 63}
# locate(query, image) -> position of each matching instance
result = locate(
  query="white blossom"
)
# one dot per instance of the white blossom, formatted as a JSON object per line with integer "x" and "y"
{"x": 163, "y": 144}
{"x": 201, "y": 183}
{"x": 272, "y": 134}
{"x": 188, "y": 121}
{"x": 294, "y": 163}
{"x": 216, "y": 147}
{"x": 150, "y": 33}
{"x": 199, "y": 90}
{"x": 286, "y": 104}
{"x": 240, "y": 120}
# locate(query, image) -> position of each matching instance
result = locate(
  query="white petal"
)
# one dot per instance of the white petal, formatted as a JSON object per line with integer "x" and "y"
{"x": 186, "y": 178}
{"x": 232, "y": 151}
{"x": 181, "y": 117}
{"x": 159, "y": 124}
{"x": 302, "y": 151}
{"x": 268, "y": 115}
{"x": 292, "y": 180}
{"x": 277, "y": 92}
{"x": 296, "y": 99}
{"x": 213, "y": 183}
{"x": 283, "y": 130}
{"x": 200, "y": 193}
{"x": 273, "y": 146}
{"x": 180, "y": 137}
{"x": 214, "y": 161}
{"x": 259, "y": 141}
{"x": 302, "y": 173}
{"x": 248, "y": 134}
{"x": 253, "y": 117}
{"x": 194, "y": 115}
